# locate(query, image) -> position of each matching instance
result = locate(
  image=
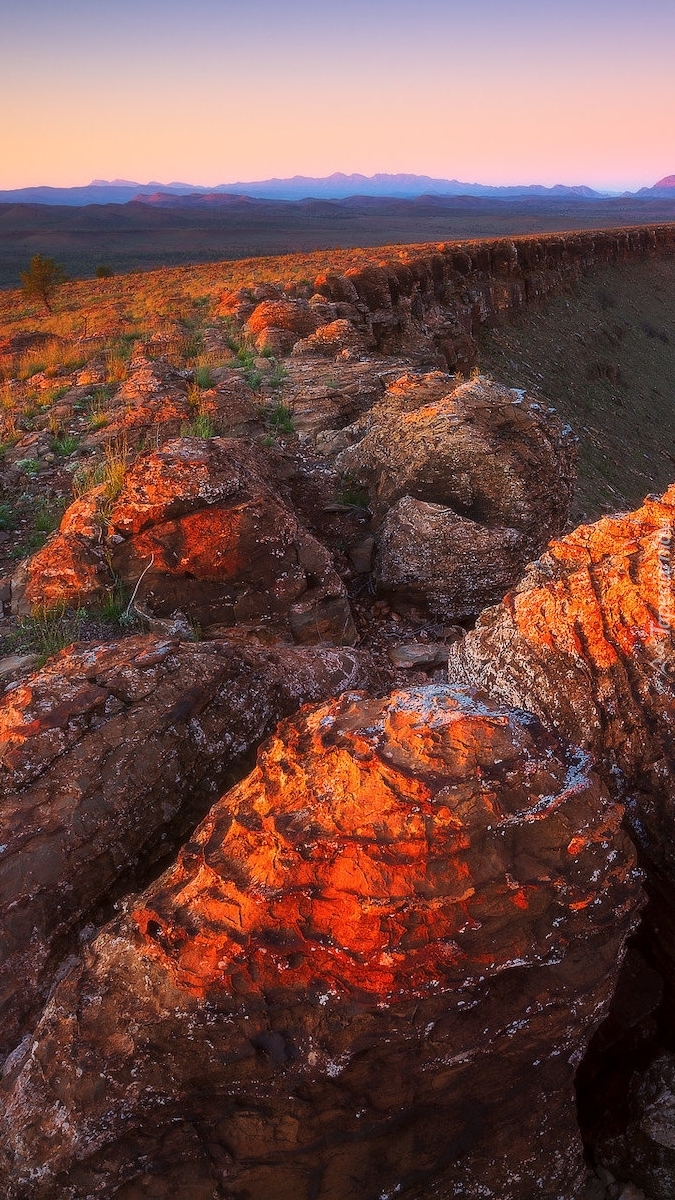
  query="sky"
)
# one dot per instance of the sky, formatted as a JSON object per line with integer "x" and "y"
{"x": 221, "y": 91}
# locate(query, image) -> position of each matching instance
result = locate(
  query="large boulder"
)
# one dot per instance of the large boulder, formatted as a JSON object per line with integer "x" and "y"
{"x": 585, "y": 641}
{"x": 294, "y": 316}
{"x": 108, "y": 756}
{"x": 500, "y": 464}
{"x": 196, "y": 528}
{"x": 371, "y": 972}
{"x": 426, "y": 553}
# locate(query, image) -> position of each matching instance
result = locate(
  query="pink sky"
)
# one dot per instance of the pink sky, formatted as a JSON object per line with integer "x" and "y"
{"x": 216, "y": 91}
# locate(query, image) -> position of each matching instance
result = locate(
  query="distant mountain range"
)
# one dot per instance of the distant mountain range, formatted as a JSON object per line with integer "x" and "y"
{"x": 333, "y": 187}
{"x": 663, "y": 190}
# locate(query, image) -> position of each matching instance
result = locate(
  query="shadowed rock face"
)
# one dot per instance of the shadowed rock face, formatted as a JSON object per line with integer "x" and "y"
{"x": 371, "y": 971}
{"x": 468, "y": 482}
{"x": 427, "y": 554}
{"x": 647, "y": 1150}
{"x": 197, "y": 525}
{"x": 108, "y": 757}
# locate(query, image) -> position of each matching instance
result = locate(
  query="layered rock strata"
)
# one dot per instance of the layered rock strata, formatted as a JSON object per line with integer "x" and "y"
{"x": 586, "y": 641}
{"x": 108, "y": 757}
{"x": 370, "y": 972}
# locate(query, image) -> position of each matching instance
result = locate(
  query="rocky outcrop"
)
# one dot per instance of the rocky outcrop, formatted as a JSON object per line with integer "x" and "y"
{"x": 195, "y": 528}
{"x": 434, "y": 299}
{"x": 155, "y": 401}
{"x": 334, "y": 338}
{"x": 370, "y": 972}
{"x": 108, "y": 756}
{"x": 586, "y": 641}
{"x": 293, "y": 317}
{"x": 467, "y": 482}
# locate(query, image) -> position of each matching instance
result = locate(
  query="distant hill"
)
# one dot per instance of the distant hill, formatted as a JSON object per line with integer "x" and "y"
{"x": 161, "y": 229}
{"x": 663, "y": 190}
{"x": 300, "y": 187}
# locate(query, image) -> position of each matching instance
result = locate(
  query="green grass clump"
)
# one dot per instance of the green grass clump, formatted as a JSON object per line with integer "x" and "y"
{"x": 113, "y": 606}
{"x": 201, "y": 426}
{"x": 203, "y": 377}
{"x": 277, "y": 419}
{"x": 278, "y": 376}
{"x": 47, "y": 630}
{"x": 65, "y": 444}
{"x": 110, "y": 471}
{"x": 353, "y": 492}
{"x": 8, "y": 518}
{"x": 30, "y": 466}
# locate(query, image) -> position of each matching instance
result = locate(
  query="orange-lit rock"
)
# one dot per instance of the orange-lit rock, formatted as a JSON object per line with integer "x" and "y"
{"x": 107, "y": 757}
{"x": 476, "y": 466}
{"x": 371, "y": 972}
{"x": 198, "y": 529}
{"x": 331, "y": 339}
{"x": 294, "y": 315}
{"x": 585, "y": 640}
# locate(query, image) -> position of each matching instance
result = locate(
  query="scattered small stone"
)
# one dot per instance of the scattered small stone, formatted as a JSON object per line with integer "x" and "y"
{"x": 632, "y": 1192}
{"x": 15, "y": 662}
{"x": 361, "y": 555}
{"x": 419, "y": 655}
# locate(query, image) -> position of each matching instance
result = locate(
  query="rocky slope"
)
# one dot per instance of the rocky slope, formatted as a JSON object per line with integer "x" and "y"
{"x": 379, "y": 963}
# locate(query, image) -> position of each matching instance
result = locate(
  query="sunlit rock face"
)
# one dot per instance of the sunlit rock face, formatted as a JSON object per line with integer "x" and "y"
{"x": 586, "y": 641}
{"x": 198, "y": 528}
{"x": 286, "y": 320}
{"x": 467, "y": 482}
{"x": 370, "y": 972}
{"x": 108, "y": 757}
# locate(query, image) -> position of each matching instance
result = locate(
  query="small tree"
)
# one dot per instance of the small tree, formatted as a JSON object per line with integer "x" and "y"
{"x": 41, "y": 280}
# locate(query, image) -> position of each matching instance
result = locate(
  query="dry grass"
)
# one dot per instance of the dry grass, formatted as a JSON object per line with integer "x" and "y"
{"x": 109, "y": 472}
{"x": 603, "y": 355}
